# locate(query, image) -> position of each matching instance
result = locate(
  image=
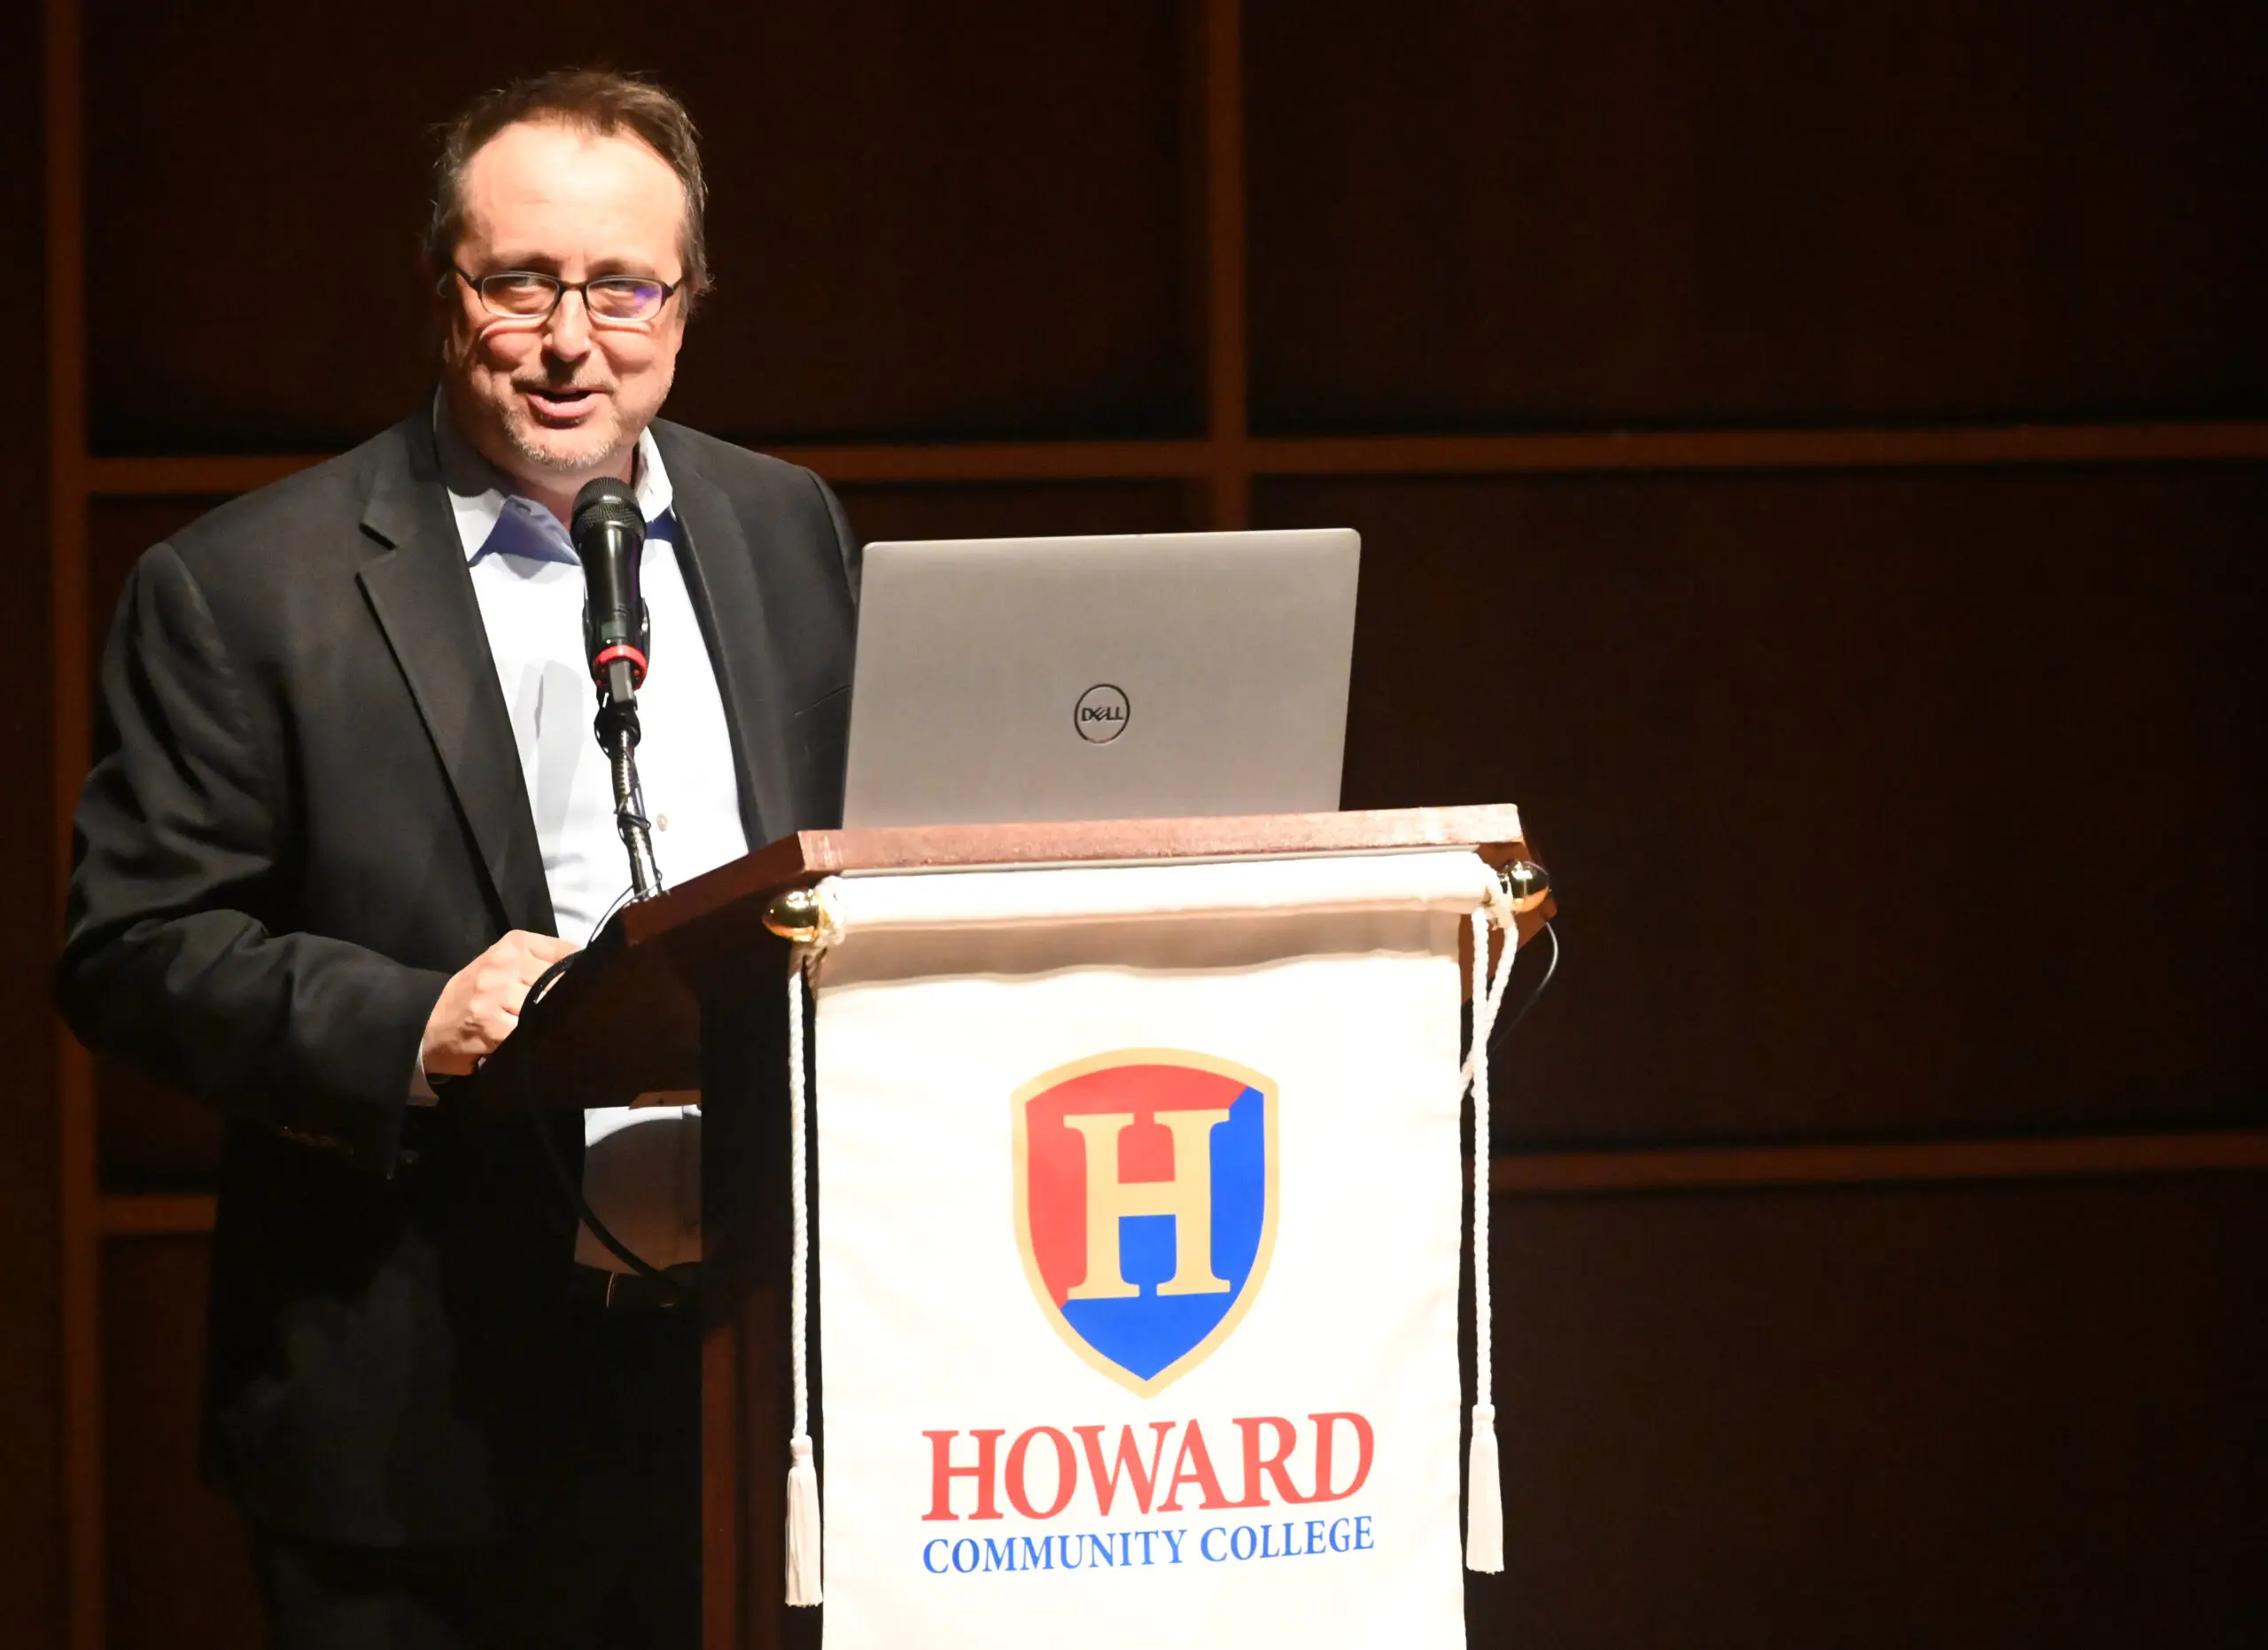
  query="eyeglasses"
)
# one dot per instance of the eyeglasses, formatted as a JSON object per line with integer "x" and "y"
{"x": 531, "y": 295}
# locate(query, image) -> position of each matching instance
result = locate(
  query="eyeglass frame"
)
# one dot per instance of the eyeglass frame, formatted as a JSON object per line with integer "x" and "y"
{"x": 561, "y": 288}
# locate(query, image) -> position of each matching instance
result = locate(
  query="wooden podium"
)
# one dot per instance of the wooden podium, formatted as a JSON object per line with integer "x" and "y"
{"x": 686, "y": 991}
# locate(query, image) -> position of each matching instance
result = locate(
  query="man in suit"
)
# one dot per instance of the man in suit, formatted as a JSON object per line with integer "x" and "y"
{"x": 346, "y": 807}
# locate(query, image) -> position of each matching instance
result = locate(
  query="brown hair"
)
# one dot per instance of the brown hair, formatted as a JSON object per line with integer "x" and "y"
{"x": 597, "y": 101}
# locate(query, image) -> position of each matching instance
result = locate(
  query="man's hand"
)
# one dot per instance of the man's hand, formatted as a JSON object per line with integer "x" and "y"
{"x": 481, "y": 1004}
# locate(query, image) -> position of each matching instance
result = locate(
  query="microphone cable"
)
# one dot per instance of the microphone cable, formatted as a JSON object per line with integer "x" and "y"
{"x": 568, "y": 1187}
{"x": 1506, "y": 1022}
{"x": 1535, "y": 992}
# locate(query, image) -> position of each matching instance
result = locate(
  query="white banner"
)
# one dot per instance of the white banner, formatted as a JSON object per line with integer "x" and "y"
{"x": 1138, "y": 1245}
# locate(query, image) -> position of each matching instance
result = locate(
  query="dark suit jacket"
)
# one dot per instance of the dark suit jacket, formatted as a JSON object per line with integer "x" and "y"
{"x": 306, "y": 813}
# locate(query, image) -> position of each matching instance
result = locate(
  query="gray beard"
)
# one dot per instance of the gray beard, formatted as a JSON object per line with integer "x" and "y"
{"x": 550, "y": 462}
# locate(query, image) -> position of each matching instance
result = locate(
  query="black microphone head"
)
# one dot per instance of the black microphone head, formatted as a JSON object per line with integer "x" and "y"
{"x": 604, "y": 503}
{"x": 609, "y": 532}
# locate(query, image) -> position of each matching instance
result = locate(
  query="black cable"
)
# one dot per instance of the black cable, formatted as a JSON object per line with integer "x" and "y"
{"x": 607, "y": 915}
{"x": 1499, "y": 1120}
{"x": 1504, "y": 1027}
{"x": 573, "y": 1193}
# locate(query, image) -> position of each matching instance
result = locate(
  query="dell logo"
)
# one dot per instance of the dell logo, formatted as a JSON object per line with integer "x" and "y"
{"x": 1100, "y": 715}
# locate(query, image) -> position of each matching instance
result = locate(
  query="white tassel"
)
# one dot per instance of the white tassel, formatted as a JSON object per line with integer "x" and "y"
{"x": 1484, "y": 1502}
{"x": 802, "y": 1524}
{"x": 1484, "y": 1498}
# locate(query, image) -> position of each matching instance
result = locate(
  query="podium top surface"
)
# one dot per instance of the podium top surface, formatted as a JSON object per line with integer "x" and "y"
{"x": 1494, "y": 830}
{"x": 626, "y": 1019}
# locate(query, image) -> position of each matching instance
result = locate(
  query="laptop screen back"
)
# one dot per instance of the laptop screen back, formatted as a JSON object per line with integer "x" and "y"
{"x": 1113, "y": 677}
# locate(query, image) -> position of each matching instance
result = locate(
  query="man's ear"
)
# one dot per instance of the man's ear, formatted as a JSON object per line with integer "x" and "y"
{"x": 437, "y": 314}
{"x": 691, "y": 297}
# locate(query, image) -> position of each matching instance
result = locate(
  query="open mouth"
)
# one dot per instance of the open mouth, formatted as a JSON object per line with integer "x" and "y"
{"x": 558, "y": 404}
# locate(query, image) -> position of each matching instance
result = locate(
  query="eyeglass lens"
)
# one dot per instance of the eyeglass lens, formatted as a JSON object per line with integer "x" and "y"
{"x": 612, "y": 298}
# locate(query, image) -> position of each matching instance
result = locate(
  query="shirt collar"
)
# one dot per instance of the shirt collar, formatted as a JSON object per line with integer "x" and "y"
{"x": 492, "y": 515}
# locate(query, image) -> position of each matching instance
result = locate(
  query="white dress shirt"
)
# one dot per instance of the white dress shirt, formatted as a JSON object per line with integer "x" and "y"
{"x": 642, "y": 1169}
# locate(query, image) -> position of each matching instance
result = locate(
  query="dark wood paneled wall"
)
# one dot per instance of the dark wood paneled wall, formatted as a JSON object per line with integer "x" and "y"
{"x": 2028, "y": 1415}
{"x": 1901, "y": 803}
{"x": 930, "y": 222}
{"x": 1814, "y": 459}
{"x": 1470, "y": 215}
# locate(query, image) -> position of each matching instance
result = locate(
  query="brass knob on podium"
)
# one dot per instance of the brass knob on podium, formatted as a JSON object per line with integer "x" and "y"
{"x": 795, "y": 915}
{"x": 1528, "y": 883}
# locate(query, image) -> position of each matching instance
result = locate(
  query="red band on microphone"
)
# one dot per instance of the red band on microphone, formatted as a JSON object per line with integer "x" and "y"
{"x": 620, "y": 651}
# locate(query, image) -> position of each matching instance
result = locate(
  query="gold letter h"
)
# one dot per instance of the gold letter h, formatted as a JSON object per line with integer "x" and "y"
{"x": 1187, "y": 1197}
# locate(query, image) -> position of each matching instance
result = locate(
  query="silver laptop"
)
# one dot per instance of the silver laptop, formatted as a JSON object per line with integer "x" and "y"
{"x": 1115, "y": 677}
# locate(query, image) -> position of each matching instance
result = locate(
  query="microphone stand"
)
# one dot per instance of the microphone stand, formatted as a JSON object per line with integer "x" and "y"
{"x": 616, "y": 726}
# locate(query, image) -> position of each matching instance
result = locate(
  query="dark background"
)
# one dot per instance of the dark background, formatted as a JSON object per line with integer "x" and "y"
{"x": 1885, "y": 705}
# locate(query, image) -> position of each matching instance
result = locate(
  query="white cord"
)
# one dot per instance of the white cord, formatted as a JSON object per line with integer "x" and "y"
{"x": 803, "y": 1530}
{"x": 1484, "y": 1517}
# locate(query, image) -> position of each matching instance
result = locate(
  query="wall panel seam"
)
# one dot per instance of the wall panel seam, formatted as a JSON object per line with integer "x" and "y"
{"x": 79, "y": 1238}
{"x": 1675, "y": 1169}
{"x": 1539, "y": 453}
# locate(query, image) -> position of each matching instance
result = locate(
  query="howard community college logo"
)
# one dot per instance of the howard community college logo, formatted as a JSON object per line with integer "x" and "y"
{"x": 1145, "y": 1205}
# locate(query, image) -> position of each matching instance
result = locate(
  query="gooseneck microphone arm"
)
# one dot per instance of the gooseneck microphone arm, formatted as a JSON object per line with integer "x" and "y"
{"x": 630, "y": 806}
{"x": 609, "y": 532}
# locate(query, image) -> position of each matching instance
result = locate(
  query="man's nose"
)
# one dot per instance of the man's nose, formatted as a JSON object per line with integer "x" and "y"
{"x": 567, "y": 333}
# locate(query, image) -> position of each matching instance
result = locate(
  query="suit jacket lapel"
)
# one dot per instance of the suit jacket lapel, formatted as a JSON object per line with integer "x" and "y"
{"x": 720, "y": 574}
{"x": 421, "y": 593}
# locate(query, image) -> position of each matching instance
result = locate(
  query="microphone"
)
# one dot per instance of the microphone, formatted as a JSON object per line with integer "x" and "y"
{"x": 609, "y": 532}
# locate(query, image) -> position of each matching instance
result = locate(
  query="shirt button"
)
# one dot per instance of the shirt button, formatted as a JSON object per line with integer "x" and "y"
{"x": 662, "y": 822}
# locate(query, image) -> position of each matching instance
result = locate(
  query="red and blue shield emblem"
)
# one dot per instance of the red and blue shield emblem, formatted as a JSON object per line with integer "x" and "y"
{"x": 1145, "y": 1205}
